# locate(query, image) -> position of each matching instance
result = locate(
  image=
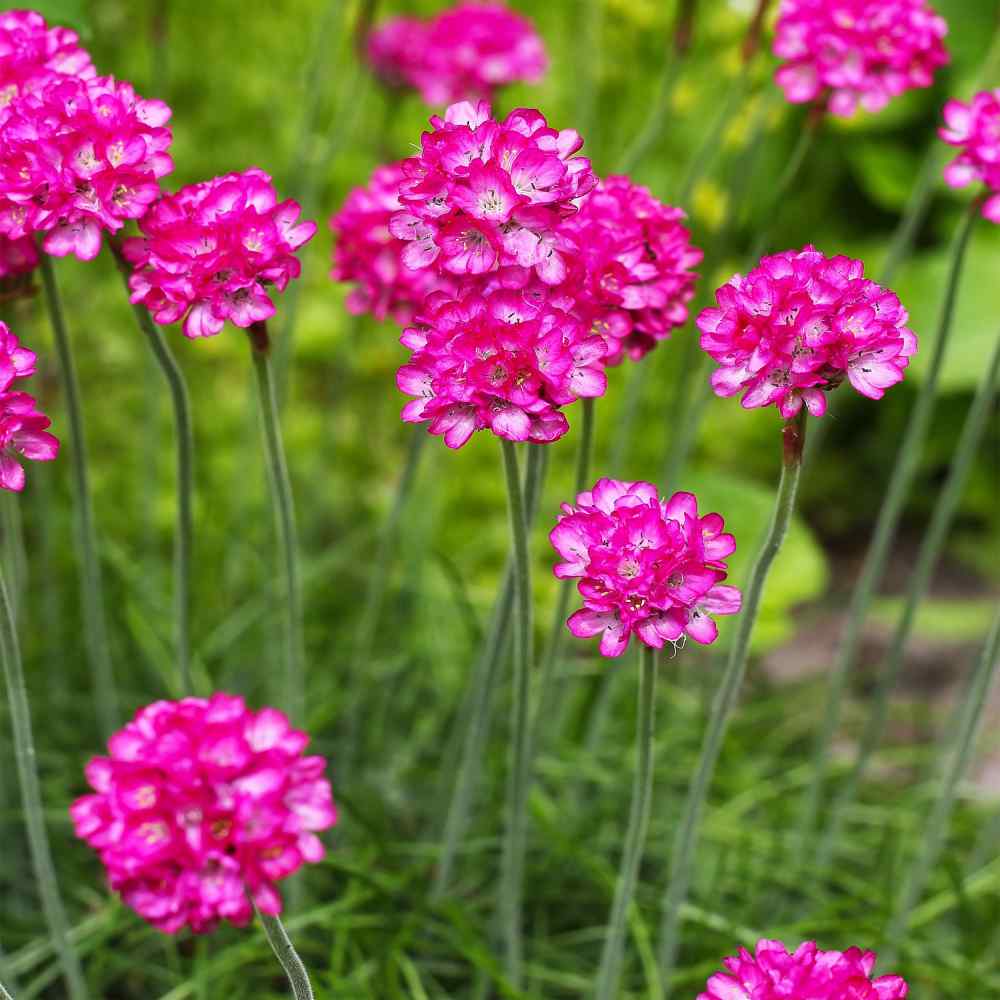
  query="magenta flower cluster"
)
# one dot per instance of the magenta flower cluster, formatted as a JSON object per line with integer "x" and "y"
{"x": 463, "y": 53}
{"x": 649, "y": 566}
{"x": 848, "y": 53}
{"x": 975, "y": 129}
{"x": 210, "y": 252}
{"x": 200, "y": 802}
{"x": 772, "y": 973}
{"x": 31, "y": 53}
{"x": 800, "y": 323}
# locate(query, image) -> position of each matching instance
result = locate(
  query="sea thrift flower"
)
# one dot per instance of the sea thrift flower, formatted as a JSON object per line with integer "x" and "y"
{"x": 632, "y": 276}
{"x": 463, "y": 53}
{"x": 17, "y": 257}
{"x": 210, "y": 252}
{"x": 975, "y": 128}
{"x": 15, "y": 361}
{"x": 199, "y": 802}
{"x": 365, "y": 252}
{"x": 799, "y": 324}
{"x": 31, "y": 53}
{"x": 646, "y": 565}
{"x": 24, "y": 433}
{"x": 852, "y": 52}
{"x": 807, "y": 974}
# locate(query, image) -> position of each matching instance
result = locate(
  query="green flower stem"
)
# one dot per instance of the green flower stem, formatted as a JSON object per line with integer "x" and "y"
{"x": 278, "y": 938}
{"x": 682, "y": 860}
{"x": 919, "y": 582}
{"x": 635, "y": 837}
{"x": 954, "y": 764}
{"x": 14, "y": 551}
{"x": 4, "y": 995}
{"x": 900, "y": 482}
{"x": 31, "y": 798}
{"x": 284, "y": 509}
{"x": 184, "y": 537}
{"x": 91, "y": 581}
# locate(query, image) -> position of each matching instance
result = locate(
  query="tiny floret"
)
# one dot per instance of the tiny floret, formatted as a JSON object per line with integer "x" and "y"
{"x": 31, "y": 53}
{"x": 975, "y": 129}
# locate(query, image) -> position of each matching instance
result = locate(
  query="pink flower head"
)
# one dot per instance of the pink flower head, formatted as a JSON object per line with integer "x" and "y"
{"x": 484, "y": 194}
{"x": 975, "y": 129}
{"x": 797, "y": 325}
{"x": 79, "y": 157}
{"x": 200, "y": 802}
{"x": 632, "y": 276}
{"x": 17, "y": 257}
{"x": 24, "y": 433}
{"x": 31, "y": 53}
{"x": 464, "y": 53}
{"x": 15, "y": 361}
{"x": 807, "y": 974}
{"x": 365, "y": 252}
{"x": 646, "y": 565}
{"x": 853, "y": 52}
{"x": 211, "y": 251}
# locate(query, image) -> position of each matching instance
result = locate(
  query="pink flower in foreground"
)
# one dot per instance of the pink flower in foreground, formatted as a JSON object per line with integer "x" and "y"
{"x": 975, "y": 128}
{"x": 807, "y": 974}
{"x": 200, "y": 802}
{"x": 79, "y": 157}
{"x": 17, "y": 256}
{"x": 632, "y": 275}
{"x": 23, "y": 434}
{"x": 365, "y": 252}
{"x": 15, "y": 361}
{"x": 31, "y": 53}
{"x": 852, "y": 52}
{"x": 211, "y": 251}
{"x": 646, "y": 565}
{"x": 799, "y": 324}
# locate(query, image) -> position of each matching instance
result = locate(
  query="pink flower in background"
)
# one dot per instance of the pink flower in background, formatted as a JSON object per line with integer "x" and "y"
{"x": 200, "y": 802}
{"x": 23, "y": 434}
{"x": 463, "y": 53}
{"x": 774, "y": 974}
{"x": 15, "y": 361}
{"x": 365, "y": 252}
{"x": 851, "y": 52}
{"x": 211, "y": 251}
{"x": 975, "y": 129}
{"x": 646, "y": 565}
{"x": 632, "y": 275}
{"x": 799, "y": 324}
{"x": 17, "y": 256}
{"x": 77, "y": 158}
{"x": 31, "y": 53}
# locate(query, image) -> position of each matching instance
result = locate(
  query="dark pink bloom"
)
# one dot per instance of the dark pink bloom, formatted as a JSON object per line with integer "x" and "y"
{"x": 799, "y": 324}
{"x": 851, "y": 52}
{"x": 200, "y": 802}
{"x": 15, "y": 361}
{"x": 211, "y": 251}
{"x": 77, "y": 158}
{"x": 463, "y": 53}
{"x": 17, "y": 256}
{"x": 807, "y": 974}
{"x": 646, "y": 565}
{"x": 23, "y": 433}
{"x": 631, "y": 276}
{"x": 975, "y": 129}
{"x": 31, "y": 53}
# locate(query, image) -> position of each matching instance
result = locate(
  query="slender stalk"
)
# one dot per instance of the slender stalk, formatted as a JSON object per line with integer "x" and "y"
{"x": 635, "y": 837}
{"x": 518, "y": 778}
{"x": 282, "y": 946}
{"x": 31, "y": 798}
{"x": 91, "y": 579}
{"x": 284, "y": 510}
{"x": 726, "y": 696}
{"x": 919, "y": 582}
{"x": 900, "y": 482}
{"x": 14, "y": 550}
{"x": 954, "y": 765}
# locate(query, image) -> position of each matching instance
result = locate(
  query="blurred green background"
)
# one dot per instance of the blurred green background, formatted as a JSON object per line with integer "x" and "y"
{"x": 278, "y": 86}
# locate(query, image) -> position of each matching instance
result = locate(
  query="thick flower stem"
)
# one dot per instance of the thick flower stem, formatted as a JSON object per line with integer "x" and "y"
{"x": 284, "y": 510}
{"x": 900, "y": 481}
{"x": 4, "y": 995}
{"x": 685, "y": 844}
{"x": 31, "y": 798}
{"x": 278, "y": 938}
{"x": 930, "y": 551}
{"x": 91, "y": 579}
{"x": 635, "y": 837}
{"x": 518, "y": 778}
{"x": 184, "y": 538}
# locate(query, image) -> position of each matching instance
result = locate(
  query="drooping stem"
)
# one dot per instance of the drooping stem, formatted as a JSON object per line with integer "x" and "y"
{"x": 91, "y": 578}
{"x": 900, "y": 481}
{"x": 282, "y": 946}
{"x": 31, "y": 798}
{"x": 686, "y": 840}
{"x": 635, "y": 836}
{"x": 284, "y": 510}
{"x": 919, "y": 581}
